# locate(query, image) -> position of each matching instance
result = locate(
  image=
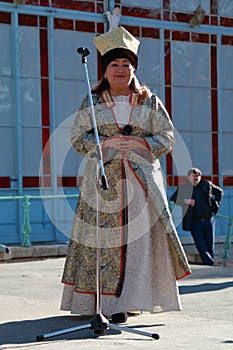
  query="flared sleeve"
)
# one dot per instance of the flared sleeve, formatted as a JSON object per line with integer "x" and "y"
{"x": 83, "y": 138}
{"x": 161, "y": 140}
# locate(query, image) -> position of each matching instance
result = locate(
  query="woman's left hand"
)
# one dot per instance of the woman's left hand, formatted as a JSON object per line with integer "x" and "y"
{"x": 128, "y": 143}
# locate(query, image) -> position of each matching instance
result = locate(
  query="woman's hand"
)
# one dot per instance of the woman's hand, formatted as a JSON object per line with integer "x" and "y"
{"x": 125, "y": 143}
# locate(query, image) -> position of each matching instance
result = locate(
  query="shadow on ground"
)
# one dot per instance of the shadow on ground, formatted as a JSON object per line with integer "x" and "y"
{"x": 205, "y": 287}
{"x": 19, "y": 332}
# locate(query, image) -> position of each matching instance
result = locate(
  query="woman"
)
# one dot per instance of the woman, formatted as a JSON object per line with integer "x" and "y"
{"x": 141, "y": 255}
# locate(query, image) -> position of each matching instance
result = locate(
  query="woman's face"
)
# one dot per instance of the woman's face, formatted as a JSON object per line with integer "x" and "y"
{"x": 119, "y": 73}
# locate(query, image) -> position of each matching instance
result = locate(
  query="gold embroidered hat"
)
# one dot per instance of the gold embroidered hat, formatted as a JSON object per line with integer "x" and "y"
{"x": 118, "y": 43}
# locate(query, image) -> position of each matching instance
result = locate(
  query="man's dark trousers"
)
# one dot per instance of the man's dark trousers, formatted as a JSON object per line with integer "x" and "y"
{"x": 203, "y": 233}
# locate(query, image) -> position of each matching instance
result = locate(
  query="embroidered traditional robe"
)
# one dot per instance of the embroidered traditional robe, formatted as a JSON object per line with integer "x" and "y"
{"x": 141, "y": 255}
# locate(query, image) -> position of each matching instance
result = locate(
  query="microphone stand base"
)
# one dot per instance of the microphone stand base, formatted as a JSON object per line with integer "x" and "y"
{"x": 99, "y": 324}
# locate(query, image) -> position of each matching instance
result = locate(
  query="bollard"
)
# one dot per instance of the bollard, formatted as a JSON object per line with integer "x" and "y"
{"x": 26, "y": 228}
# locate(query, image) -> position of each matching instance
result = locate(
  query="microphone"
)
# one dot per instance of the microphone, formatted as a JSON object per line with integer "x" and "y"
{"x": 84, "y": 51}
{"x": 127, "y": 130}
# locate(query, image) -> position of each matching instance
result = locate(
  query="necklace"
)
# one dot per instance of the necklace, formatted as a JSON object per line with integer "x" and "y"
{"x": 132, "y": 100}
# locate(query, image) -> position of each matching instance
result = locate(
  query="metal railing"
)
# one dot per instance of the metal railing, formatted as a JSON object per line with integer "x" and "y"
{"x": 26, "y": 227}
{"x": 227, "y": 242}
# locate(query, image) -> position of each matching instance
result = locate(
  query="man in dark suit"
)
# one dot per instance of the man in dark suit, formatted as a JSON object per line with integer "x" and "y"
{"x": 199, "y": 200}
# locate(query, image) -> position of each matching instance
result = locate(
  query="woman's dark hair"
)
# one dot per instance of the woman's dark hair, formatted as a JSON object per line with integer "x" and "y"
{"x": 140, "y": 89}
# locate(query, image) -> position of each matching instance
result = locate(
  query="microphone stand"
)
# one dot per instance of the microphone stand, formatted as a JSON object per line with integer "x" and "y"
{"x": 99, "y": 323}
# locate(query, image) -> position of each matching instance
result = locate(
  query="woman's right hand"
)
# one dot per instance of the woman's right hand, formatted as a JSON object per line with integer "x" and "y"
{"x": 125, "y": 143}
{"x": 113, "y": 142}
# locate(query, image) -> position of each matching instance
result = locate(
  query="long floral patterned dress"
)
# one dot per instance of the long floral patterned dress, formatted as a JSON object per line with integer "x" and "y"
{"x": 141, "y": 256}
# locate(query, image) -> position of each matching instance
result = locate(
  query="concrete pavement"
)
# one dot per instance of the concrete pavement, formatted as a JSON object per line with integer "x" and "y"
{"x": 30, "y": 294}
